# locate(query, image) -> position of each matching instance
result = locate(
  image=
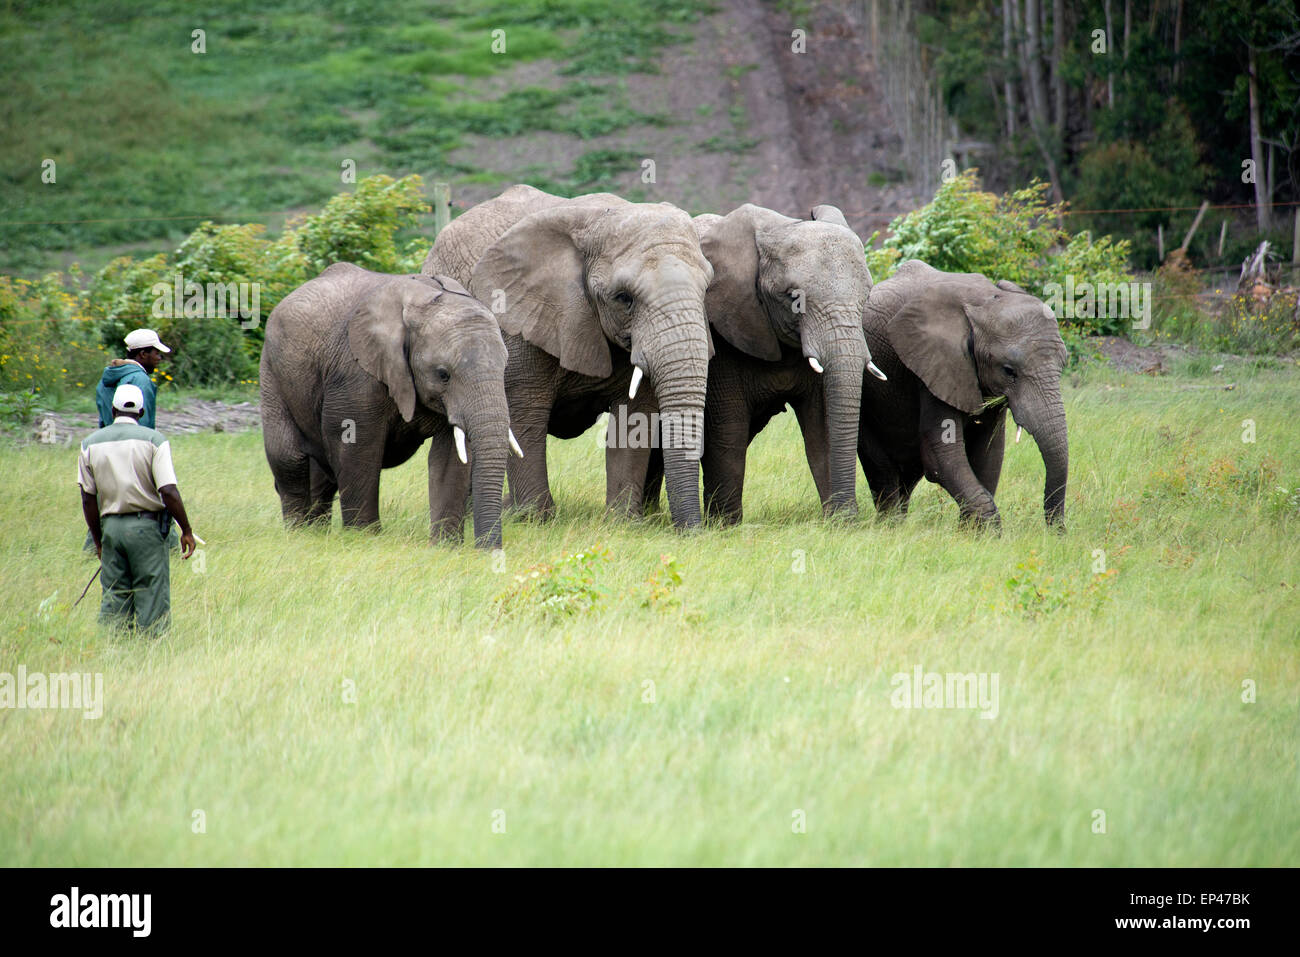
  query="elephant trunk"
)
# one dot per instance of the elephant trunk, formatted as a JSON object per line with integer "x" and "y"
{"x": 1041, "y": 412}
{"x": 677, "y": 361}
{"x": 841, "y": 350}
{"x": 487, "y": 423}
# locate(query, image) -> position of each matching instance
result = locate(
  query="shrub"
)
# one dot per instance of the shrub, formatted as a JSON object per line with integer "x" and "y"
{"x": 48, "y": 344}
{"x": 1145, "y": 177}
{"x": 206, "y": 351}
{"x": 558, "y": 589}
{"x": 1014, "y": 236}
{"x": 360, "y": 227}
{"x": 53, "y": 339}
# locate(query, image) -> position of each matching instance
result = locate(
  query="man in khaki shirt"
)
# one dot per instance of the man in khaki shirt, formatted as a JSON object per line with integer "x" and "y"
{"x": 128, "y": 486}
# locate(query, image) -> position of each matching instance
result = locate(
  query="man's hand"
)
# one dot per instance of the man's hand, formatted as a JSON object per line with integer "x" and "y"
{"x": 187, "y": 544}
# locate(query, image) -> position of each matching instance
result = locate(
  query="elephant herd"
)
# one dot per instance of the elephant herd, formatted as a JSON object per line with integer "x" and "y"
{"x": 533, "y": 315}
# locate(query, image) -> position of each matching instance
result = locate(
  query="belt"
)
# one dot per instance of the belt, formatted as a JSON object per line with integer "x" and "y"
{"x": 152, "y": 515}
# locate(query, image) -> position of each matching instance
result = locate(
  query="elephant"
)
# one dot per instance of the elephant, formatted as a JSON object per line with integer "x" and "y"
{"x": 786, "y": 309}
{"x": 959, "y": 351}
{"x": 358, "y": 369}
{"x": 593, "y": 294}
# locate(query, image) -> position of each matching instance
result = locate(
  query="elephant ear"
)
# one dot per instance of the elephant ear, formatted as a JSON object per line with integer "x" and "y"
{"x": 451, "y": 285}
{"x": 1008, "y": 286}
{"x": 377, "y": 338}
{"x": 932, "y": 335}
{"x": 732, "y": 301}
{"x": 537, "y": 266}
{"x": 827, "y": 213}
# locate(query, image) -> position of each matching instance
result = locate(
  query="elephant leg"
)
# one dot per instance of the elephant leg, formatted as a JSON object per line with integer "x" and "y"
{"x": 944, "y": 457}
{"x": 290, "y": 464}
{"x": 530, "y": 489}
{"x": 726, "y": 442}
{"x": 986, "y": 443}
{"x": 631, "y": 434}
{"x": 810, "y": 410}
{"x": 449, "y": 484}
{"x": 323, "y": 489}
{"x": 358, "y": 480}
{"x": 654, "y": 482}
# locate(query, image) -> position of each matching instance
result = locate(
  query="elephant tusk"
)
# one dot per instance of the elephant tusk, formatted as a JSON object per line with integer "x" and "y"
{"x": 1019, "y": 429}
{"x": 816, "y": 366}
{"x": 636, "y": 381}
{"x": 875, "y": 371}
{"x": 459, "y": 434}
{"x": 514, "y": 444}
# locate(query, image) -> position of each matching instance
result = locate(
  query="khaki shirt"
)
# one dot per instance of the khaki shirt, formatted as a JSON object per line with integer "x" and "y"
{"x": 124, "y": 465}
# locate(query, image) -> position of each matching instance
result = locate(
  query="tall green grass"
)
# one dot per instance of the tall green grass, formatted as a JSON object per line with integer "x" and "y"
{"x": 1120, "y": 693}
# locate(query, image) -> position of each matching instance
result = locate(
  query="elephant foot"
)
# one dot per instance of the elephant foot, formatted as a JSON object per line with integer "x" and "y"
{"x": 841, "y": 512}
{"x": 446, "y": 534}
{"x": 532, "y": 512}
{"x": 990, "y": 522}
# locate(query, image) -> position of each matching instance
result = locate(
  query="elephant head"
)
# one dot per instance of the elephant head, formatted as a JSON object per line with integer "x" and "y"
{"x": 969, "y": 339}
{"x": 435, "y": 346}
{"x": 803, "y": 285}
{"x": 584, "y": 274}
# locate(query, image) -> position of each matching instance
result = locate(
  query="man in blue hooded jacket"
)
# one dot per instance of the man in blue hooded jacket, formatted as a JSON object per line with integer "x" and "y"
{"x": 144, "y": 350}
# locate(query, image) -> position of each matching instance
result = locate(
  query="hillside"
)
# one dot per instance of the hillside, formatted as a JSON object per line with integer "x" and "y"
{"x": 149, "y": 136}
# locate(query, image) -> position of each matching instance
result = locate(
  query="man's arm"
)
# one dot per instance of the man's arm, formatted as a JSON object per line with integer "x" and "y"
{"x": 171, "y": 497}
{"x": 90, "y": 509}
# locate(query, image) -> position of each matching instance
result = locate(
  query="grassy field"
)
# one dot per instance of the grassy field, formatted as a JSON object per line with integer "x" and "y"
{"x": 340, "y": 698}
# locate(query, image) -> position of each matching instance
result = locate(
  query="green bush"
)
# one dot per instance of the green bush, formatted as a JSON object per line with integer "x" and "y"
{"x": 206, "y": 350}
{"x": 1015, "y": 237}
{"x": 1143, "y": 178}
{"x": 48, "y": 345}
{"x": 360, "y": 227}
{"x": 54, "y": 340}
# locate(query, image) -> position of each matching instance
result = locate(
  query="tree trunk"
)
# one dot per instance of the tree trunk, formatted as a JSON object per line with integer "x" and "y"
{"x": 1256, "y": 147}
{"x": 1008, "y": 64}
{"x": 1110, "y": 46}
{"x": 1058, "y": 55}
{"x": 1037, "y": 106}
{"x": 1178, "y": 38}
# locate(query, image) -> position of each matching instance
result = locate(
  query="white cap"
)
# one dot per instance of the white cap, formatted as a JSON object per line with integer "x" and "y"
{"x": 128, "y": 398}
{"x": 143, "y": 339}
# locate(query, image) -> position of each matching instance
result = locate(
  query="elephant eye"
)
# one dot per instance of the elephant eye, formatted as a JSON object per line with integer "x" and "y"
{"x": 443, "y": 375}
{"x": 1011, "y": 373}
{"x": 623, "y": 298}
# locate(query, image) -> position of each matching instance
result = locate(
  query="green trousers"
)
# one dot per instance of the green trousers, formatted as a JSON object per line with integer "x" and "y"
{"x": 136, "y": 573}
{"x": 173, "y": 541}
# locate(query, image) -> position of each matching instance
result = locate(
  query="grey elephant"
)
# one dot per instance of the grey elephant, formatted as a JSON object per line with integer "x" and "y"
{"x": 959, "y": 351}
{"x": 594, "y": 294}
{"x": 358, "y": 369}
{"x": 786, "y": 308}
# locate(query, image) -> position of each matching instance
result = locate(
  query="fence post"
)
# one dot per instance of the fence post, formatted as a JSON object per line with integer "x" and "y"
{"x": 1205, "y": 204}
{"x": 1160, "y": 243}
{"x": 441, "y": 207}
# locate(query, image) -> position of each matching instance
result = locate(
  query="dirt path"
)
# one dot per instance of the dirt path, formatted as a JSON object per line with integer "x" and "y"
{"x": 196, "y": 415}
